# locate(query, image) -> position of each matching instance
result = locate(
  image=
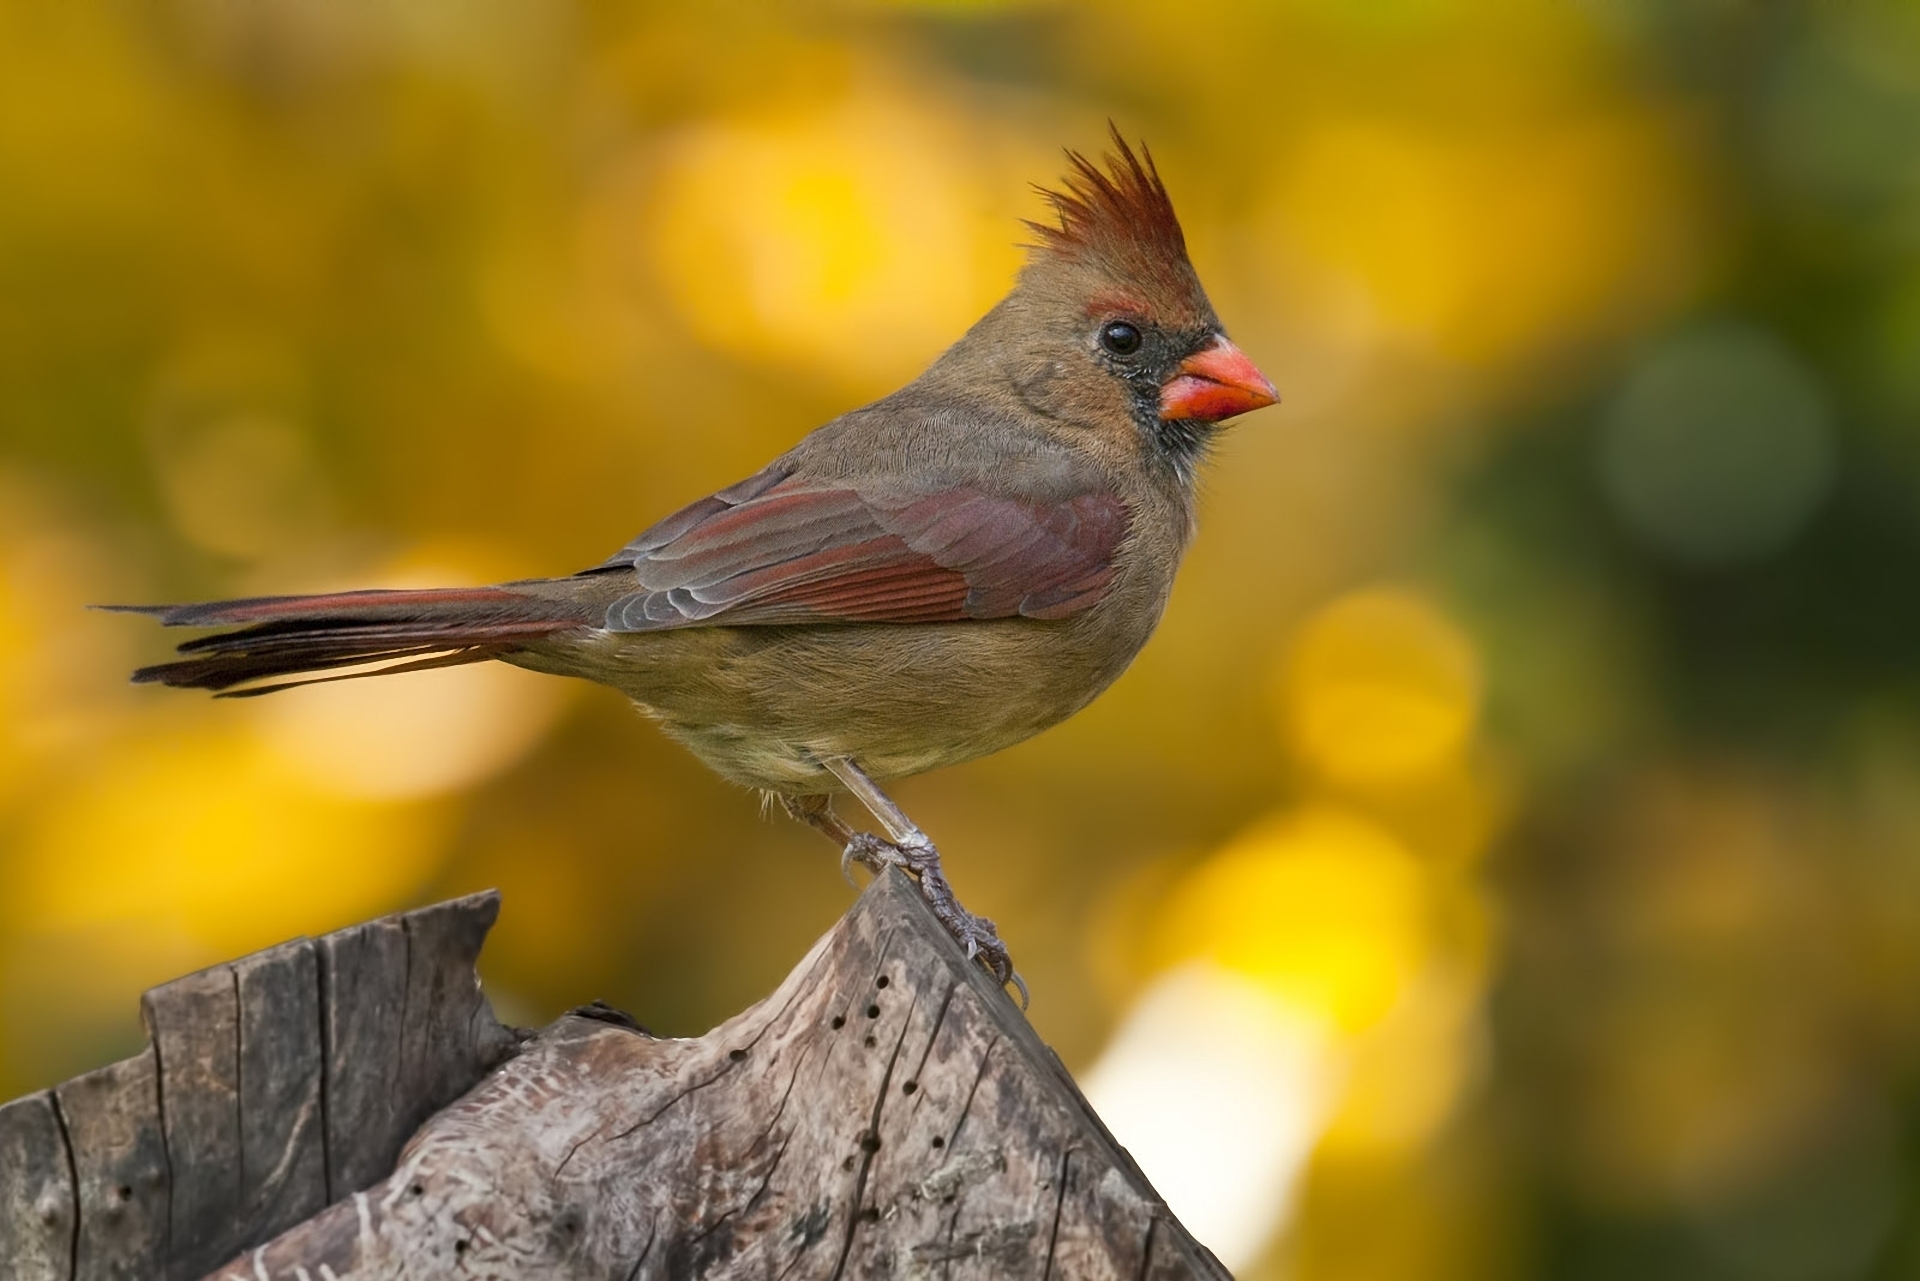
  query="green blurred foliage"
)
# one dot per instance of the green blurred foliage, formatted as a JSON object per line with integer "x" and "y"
{"x": 1539, "y": 707}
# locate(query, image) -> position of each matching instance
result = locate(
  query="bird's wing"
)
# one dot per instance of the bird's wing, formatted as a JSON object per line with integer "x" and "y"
{"x": 774, "y": 550}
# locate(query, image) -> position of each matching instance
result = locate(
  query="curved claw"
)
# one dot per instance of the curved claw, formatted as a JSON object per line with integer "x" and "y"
{"x": 870, "y": 852}
{"x": 1013, "y": 977}
{"x": 981, "y": 941}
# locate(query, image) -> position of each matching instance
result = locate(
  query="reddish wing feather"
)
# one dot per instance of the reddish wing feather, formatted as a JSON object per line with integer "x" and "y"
{"x": 802, "y": 554}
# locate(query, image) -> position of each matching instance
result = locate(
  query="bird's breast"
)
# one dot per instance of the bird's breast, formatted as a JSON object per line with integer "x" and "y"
{"x": 765, "y": 705}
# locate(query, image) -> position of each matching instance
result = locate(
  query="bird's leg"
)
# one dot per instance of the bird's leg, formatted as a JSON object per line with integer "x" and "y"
{"x": 856, "y": 846}
{"x": 911, "y": 851}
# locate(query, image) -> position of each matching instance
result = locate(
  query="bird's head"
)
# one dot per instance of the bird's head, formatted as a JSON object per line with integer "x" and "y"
{"x": 1108, "y": 329}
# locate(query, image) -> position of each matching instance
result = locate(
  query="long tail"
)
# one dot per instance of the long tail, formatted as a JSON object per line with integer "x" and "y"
{"x": 282, "y": 636}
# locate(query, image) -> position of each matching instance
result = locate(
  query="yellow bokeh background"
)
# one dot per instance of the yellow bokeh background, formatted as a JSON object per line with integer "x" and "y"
{"x": 1545, "y": 884}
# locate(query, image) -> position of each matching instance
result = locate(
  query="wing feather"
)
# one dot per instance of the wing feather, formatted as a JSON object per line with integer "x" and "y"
{"x": 772, "y": 550}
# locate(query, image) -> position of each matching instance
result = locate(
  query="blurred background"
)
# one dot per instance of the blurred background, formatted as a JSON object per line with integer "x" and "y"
{"x": 1505, "y": 862}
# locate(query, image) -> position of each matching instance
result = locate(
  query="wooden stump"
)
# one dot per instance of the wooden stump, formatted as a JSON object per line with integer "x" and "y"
{"x": 887, "y": 1112}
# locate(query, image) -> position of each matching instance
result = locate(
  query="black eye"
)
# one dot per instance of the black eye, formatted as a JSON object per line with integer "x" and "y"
{"x": 1120, "y": 338}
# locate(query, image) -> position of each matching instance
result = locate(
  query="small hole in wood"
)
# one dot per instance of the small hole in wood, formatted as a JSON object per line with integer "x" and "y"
{"x": 126, "y": 1193}
{"x": 870, "y": 1043}
{"x": 839, "y": 1021}
{"x": 910, "y": 1087}
{"x": 871, "y": 1214}
{"x": 736, "y": 1055}
{"x": 939, "y": 1142}
{"x": 881, "y": 981}
{"x": 847, "y": 1164}
{"x": 460, "y": 1246}
{"x": 873, "y": 1011}
{"x": 870, "y": 1142}
{"x": 416, "y": 1190}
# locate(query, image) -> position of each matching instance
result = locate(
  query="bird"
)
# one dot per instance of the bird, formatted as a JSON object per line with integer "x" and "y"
{"x": 918, "y": 582}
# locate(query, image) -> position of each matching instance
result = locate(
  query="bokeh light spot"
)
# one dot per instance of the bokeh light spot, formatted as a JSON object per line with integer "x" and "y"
{"x": 1379, "y": 688}
{"x": 1325, "y": 909}
{"x": 850, "y": 242}
{"x": 1718, "y": 449}
{"x": 241, "y": 486}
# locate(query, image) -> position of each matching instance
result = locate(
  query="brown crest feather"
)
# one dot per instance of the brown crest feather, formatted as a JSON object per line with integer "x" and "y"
{"x": 1122, "y": 216}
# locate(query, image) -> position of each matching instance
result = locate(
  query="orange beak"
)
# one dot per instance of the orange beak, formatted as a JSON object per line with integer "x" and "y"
{"x": 1216, "y": 382}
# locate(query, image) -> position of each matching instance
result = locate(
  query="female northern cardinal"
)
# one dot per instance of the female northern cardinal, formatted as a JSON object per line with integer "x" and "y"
{"x": 928, "y": 579}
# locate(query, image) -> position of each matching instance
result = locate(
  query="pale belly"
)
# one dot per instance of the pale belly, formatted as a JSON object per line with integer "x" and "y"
{"x": 764, "y": 706}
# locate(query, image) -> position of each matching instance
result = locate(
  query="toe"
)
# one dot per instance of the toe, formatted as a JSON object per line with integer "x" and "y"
{"x": 1020, "y": 984}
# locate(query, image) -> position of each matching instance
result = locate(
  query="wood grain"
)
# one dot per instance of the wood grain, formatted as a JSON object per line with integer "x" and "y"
{"x": 36, "y": 1192}
{"x": 119, "y": 1156}
{"x": 283, "y": 1164}
{"x": 887, "y": 1112}
{"x": 271, "y": 1085}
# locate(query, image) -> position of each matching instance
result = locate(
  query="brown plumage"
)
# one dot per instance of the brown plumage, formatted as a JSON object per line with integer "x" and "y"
{"x": 919, "y": 582}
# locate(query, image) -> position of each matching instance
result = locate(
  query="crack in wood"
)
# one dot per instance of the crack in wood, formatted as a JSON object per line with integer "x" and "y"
{"x": 321, "y": 1003}
{"x": 401, "y": 1064}
{"x": 239, "y": 1075}
{"x": 577, "y": 1145}
{"x": 787, "y": 1093}
{"x": 933, "y": 1035}
{"x": 1064, "y": 1179}
{"x": 73, "y": 1185}
{"x": 953, "y": 1139}
{"x": 753, "y": 1198}
{"x": 1146, "y": 1247}
{"x": 870, "y": 1148}
{"x": 767, "y": 1182}
{"x": 880, "y": 958}
{"x": 633, "y": 1273}
{"x": 160, "y": 1114}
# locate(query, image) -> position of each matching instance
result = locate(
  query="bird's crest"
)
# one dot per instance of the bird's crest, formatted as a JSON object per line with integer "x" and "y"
{"x": 1122, "y": 216}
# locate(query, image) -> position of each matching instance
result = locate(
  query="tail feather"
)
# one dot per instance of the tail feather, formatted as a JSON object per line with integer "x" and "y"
{"x": 430, "y": 660}
{"x": 281, "y": 636}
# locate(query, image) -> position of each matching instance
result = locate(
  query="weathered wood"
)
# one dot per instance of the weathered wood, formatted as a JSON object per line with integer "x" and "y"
{"x": 119, "y": 1156}
{"x": 363, "y": 974}
{"x": 283, "y": 1164}
{"x": 405, "y": 1030}
{"x": 885, "y": 1113}
{"x": 36, "y": 1192}
{"x": 264, "y": 1078}
{"x": 194, "y": 1023}
{"x": 448, "y": 1035}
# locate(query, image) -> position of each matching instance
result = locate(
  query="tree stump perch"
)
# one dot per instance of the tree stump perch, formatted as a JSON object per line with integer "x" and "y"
{"x": 348, "y": 1109}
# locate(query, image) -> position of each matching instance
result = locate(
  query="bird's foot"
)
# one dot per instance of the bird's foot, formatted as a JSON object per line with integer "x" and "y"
{"x": 870, "y": 852}
{"x": 976, "y": 935}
